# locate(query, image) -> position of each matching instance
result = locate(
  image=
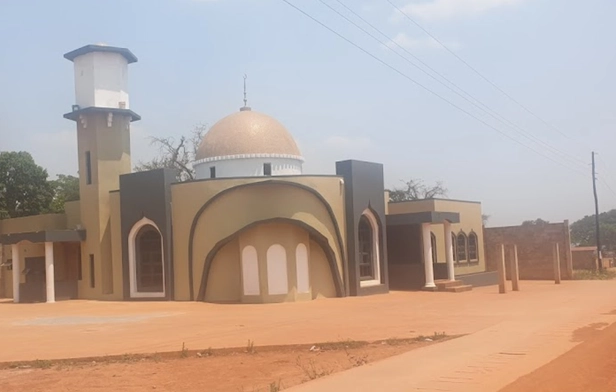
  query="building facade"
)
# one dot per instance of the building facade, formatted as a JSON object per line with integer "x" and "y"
{"x": 250, "y": 229}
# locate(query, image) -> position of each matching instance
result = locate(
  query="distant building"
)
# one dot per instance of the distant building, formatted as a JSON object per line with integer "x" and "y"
{"x": 250, "y": 229}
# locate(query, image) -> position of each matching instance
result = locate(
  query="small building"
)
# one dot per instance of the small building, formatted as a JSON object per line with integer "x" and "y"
{"x": 251, "y": 228}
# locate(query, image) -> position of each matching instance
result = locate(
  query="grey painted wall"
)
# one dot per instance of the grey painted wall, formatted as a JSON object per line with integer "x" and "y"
{"x": 364, "y": 188}
{"x": 148, "y": 194}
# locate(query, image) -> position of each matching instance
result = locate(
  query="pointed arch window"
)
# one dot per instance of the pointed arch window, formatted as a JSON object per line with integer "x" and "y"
{"x": 146, "y": 260}
{"x": 433, "y": 244}
{"x": 368, "y": 239}
{"x": 473, "y": 254}
{"x": 461, "y": 245}
{"x": 454, "y": 245}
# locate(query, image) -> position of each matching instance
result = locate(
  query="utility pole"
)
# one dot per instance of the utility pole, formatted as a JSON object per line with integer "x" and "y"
{"x": 597, "y": 233}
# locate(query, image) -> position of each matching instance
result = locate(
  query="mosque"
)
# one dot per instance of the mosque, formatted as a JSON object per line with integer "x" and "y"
{"x": 251, "y": 228}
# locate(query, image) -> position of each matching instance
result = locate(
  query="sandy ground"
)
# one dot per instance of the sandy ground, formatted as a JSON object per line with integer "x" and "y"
{"x": 590, "y": 366}
{"x": 266, "y": 369}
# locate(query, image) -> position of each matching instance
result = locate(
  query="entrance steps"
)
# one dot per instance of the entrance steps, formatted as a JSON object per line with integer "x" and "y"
{"x": 452, "y": 286}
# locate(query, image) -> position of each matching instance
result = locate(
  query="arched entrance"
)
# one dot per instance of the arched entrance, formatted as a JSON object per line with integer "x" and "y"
{"x": 146, "y": 260}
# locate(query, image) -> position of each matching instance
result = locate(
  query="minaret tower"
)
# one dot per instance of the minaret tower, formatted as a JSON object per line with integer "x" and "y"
{"x": 103, "y": 118}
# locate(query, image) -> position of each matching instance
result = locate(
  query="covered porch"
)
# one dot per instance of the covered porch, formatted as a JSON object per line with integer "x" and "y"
{"x": 44, "y": 265}
{"x": 411, "y": 246}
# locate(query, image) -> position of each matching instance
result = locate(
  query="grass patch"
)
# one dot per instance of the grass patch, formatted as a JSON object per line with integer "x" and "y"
{"x": 311, "y": 370}
{"x": 342, "y": 345}
{"x": 250, "y": 347}
{"x": 594, "y": 275}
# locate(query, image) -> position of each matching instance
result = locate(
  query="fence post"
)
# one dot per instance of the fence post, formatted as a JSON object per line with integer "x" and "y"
{"x": 502, "y": 277}
{"x": 556, "y": 255}
{"x": 513, "y": 268}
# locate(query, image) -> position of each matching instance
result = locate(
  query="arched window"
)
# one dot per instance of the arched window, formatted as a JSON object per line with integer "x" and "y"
{"x": 368, "y": 236}
{"x": 472, "y": 247}
{"x": 250, "y": 271}
{"x": 149, "y": 260}
{"x": 433, "y": 242}
{"x": 146, "y": 260}
{"x": 461, "y": 245}
{"x": 454, "y": 246}
{"x": 303, "y": 270}
{"x": 277, "y": 279}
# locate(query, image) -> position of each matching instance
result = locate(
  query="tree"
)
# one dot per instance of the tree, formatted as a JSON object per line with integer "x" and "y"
{"x": 66, "y": 188}
{"x": 176, "y": 155}
{"x": 485, "y": 218}
{"x": 536, "y": 222}
{"x": 583, "y": 230}
{"x": 24, "y": 189}
{"x": 415, "y": 189}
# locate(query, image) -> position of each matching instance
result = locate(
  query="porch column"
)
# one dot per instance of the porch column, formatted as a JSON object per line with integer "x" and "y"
{"x": 449, "y": 252}
{"x": 427, "y": 253}
{"x": 49, "y": 273}
{"x": 15, "y": 256}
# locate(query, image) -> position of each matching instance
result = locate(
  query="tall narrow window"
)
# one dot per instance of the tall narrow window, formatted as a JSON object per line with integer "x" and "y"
{"x": 79, "y": 267}
{"x": 462, "y": 247}
{"x": 454, "y": 245}
{"x": 433, "y": 244}
{"x": 267, "y": 169}
{"x": 472, "y": 247}
{"x": 88, "y": 168}
{"x": 366, "y": 254}
{"x": 92, "y": 277}
{"x": 149, "y": 254}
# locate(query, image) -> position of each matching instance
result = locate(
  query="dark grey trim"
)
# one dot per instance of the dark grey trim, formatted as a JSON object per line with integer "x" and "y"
{"x": 261, "y": 177}
{"x": 128, "y": 55}
{"x": 193, "y": 227}
{"x": 314, "y": 235}
{"x": 44, "y": 236}
{"x": 436, "y": 198}
{"x": 74, "y": 115}
{"x": 414, "y": 218}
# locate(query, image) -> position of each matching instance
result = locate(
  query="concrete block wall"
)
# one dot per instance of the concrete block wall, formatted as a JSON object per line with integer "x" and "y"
{"x": 535, "y": 244}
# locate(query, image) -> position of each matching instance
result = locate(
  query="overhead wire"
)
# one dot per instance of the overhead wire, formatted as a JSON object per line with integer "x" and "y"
{"x": 404, "y": 75}
{"x": 473, "y": 101}
{"x": 406, "y": 15}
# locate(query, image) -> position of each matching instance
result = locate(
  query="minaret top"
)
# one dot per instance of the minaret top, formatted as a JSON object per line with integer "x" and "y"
{"x": 128, "y": 55}
{"x": 245, "y": 107}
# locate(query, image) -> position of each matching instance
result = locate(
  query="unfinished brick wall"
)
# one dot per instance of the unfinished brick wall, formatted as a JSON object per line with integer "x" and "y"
{"x": 535, "y": 244}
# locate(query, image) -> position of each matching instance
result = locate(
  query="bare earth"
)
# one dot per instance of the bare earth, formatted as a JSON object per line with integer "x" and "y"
{"x": 504, "y": 338}
{"x": 235, "y": 370}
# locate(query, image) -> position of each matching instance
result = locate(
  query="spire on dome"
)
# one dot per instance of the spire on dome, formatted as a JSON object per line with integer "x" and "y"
{"x": 245, "y": 107}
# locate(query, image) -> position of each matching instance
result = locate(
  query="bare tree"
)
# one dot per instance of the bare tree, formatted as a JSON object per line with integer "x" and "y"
{"x": 415, "y": 189}
{"x": 177, "y": 155}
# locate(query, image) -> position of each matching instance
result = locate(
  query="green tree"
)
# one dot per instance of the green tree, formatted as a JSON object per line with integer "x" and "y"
{"x": 415, "y": 189}
{"x": 536, "y": 222}
{"x": 65, "y": 188}
{"x": 583, "y": 230}
{"x": 24, "y": 189}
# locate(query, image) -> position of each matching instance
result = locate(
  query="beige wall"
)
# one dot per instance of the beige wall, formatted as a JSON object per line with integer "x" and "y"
{"x": 225, "y": 277}
{"x": 110, "y": 157}
{"x": 72, "y": 209}
{"x": 406, "y": 207}
{"x": 241, "y": 207}
{"x": 33, "y": 223}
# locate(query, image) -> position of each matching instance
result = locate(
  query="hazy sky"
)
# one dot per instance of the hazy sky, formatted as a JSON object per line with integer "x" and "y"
{"x": 556, "y": 57}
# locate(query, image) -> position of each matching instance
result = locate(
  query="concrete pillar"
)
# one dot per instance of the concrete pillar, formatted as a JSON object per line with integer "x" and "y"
{"x": 427, "y": 254}
{"x": 502, "y": 277}
{"x": 449, "y": 252}
{"x": 556, "y": 254}
{"x": 513, "y": 268}
{"x": 49, "y": 273}
{"x": 16, "y": 260}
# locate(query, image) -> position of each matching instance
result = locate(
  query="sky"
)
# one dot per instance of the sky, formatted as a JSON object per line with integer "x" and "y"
{"x": 525, "y": 158}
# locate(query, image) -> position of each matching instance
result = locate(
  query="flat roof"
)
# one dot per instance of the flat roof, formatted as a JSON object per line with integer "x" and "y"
{"x": 74, "y": 115}
{"x": 414, "y": 218}
{"x": 435, "y": 198}
{"x": 44, "y": 236}
{"x": 128, "y": 55}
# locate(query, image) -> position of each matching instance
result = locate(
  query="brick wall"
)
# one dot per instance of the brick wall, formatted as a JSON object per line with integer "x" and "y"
{"x": 535, "y": 244}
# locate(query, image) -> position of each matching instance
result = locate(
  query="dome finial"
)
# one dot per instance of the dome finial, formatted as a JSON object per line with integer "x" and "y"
{"x": 245, "y": 107}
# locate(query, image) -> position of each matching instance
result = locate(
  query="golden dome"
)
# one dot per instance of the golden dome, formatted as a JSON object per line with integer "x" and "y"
{"x": 247, "y": 133}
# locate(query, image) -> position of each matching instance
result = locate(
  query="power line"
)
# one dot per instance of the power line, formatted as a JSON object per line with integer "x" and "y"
{"x": 396, "y": 70}
{"x": 574, "y": 160}
{"x": 477, "y": 72}
{"x": 609, "y": 174}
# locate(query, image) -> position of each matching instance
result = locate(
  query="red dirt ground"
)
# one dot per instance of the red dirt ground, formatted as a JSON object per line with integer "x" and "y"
{"x": 268, "y": 369}
{"x": 590, "y": 366}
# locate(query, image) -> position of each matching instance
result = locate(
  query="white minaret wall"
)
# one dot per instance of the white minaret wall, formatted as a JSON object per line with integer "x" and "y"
{"x": 101, "y": 80}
